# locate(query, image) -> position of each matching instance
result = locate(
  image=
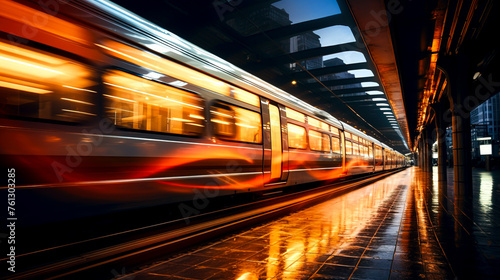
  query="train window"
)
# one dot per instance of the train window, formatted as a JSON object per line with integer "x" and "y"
{"x": 319, "y": 141}
{"x": 294, "y": 115}
{"x": 324, "y": 126}
{"x": 164, "y": 66}
{"x": 348, "y": 147}
{"x": 296, "y": 136}
{"x": 335, "y": 131}
{"x": 355, "y": 149}
{"x": 137, "y": 103}
{"x": 313, "y": 122}
{"x": 236, "y": 124}
{"x": 378, "y": 152}
{"x": 335, "y": 145}
{"x": 247, "y": 97}
{"x": 42, "y": 85}
{"x": 355, "y": 137}
{"x": 347, "y": 135}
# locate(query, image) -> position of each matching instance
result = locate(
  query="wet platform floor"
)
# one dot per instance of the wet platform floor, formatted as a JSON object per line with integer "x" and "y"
{"x": 405, "y": 226}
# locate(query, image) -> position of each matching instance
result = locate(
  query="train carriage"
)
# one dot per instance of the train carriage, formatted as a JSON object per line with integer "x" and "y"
{"x": 103, "y": 111}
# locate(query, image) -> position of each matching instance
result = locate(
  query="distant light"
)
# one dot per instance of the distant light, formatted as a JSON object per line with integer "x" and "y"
{"x": 476, "y": 75}
{"x": 294, "y": 82}
{"x": 382, "y": 104}
{"x": 379, "y": 99}
{"x": 385, "y": 109}
{"x": 388, "y": 113}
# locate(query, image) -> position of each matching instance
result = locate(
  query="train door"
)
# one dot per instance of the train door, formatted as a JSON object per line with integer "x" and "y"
{"x": 275, "y": 143}
{"x": 342, "y": 143}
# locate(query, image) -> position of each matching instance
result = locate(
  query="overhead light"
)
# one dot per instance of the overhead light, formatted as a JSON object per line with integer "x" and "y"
{"x": 294, "y": 82}
{"x": 379, "y": 99}
{"x": 382, "y": 104}
{"x": 476, "y": 75}
{"x": 388, "y": 113}
{"x": 369, "y": 84}
{"x": 385, "y": 109}
{"x": 374, "y": 92}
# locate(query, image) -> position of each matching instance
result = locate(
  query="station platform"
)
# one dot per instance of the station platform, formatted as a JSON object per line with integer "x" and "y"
{"x": 405, "y": 226}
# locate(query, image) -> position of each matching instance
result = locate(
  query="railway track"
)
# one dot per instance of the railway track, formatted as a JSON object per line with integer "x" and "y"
{"x": 94, "y": 258}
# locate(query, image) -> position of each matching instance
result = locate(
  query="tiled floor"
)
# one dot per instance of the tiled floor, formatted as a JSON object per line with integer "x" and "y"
{"x": 397, "y": 228}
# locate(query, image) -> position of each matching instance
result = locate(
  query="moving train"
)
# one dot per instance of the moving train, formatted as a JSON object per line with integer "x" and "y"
{"x": 103, "y": 111}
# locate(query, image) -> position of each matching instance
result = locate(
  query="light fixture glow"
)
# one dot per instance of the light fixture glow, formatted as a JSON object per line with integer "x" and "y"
{"x": 374, "y": 92}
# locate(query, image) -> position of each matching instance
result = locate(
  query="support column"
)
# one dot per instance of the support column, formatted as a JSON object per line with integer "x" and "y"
{"x": 441, "y": 141}
{"x": 420, "y": 154}
{"x": 462, "y": 174}
{"x": 459, "y": 75}
{"x": 427, "y": 146}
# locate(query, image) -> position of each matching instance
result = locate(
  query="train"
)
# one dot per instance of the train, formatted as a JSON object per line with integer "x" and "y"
{"x": 103, "y": 111}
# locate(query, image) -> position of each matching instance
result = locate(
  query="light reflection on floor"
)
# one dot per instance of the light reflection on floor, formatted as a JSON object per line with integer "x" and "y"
{"x": 354, "y": 235}
{"x": 407, "y": 226}
{"x": 468, "y": 229}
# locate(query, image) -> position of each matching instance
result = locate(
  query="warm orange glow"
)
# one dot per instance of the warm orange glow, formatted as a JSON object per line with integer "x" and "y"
{"x": 297, "y": 242}
{"x": 151, "y": 106}
{"x": 276, "y": 149}
{"x": 296, "y": 136}
{"x": 24, "y": 63}
{"x": 319, "y": 141}
{"x": 248, "y": 276}
{"x": 23, "y": 88}
{"x": 51, "y": 24}
{"x": 247, "y": 97}
{"x": 313, "y": 122}
{"x": 294, "y": 115}
{"x": 164, "y": 66}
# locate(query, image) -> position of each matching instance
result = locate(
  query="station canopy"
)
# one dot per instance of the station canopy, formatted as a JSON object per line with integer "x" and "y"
{"x": 312, "y": 49}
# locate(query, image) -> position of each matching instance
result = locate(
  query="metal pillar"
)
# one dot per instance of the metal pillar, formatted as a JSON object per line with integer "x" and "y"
{"x": 462, "y": 174}
{"x": 441, "y": 141}
{"x": 427, "y": 149}
{"x": 459, "y": 75}
{"x": 420, "y": 154}
{"x": 424, "y": 151}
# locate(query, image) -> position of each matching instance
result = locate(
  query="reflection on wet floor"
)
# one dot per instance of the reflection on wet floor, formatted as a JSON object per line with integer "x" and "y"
{"x": 468, "y": 228}
{"x": 406, "y": 226}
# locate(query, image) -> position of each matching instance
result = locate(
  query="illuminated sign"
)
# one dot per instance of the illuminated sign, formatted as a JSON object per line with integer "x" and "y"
{"x": 484, "y": 146}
